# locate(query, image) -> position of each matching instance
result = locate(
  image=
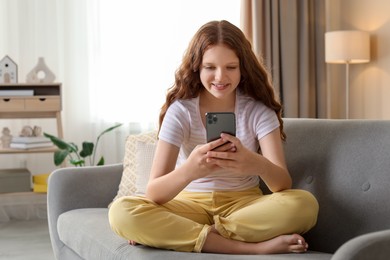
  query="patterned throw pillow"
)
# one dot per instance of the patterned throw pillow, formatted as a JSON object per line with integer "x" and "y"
{"x": 139, "y": 152}
{"x": 144, "y": 158}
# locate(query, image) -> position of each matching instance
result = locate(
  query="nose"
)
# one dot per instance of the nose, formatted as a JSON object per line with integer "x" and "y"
{"x": 219, "y": 74}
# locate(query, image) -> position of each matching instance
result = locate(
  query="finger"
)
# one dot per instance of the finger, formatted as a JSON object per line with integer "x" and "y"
{"x": 232, "y": 149}
{"x": 222, "y": 159}
{"x": 221, "y": 163}
{"x": 213, "y": 144}
{"x": 220, "y": 155}
{"x": 230, "y": 138}
{"x": 226, "y": 147}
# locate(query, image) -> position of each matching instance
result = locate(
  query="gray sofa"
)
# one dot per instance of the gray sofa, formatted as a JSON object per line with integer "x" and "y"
{"x": 344, "y": 163}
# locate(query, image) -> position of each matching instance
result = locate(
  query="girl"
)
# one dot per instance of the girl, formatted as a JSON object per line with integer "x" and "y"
{"x": 205, "y": 197}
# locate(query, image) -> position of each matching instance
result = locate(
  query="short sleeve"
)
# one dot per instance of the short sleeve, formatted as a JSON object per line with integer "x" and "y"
{"x": 175, "y": 124}
{"x": 268, "y": 122}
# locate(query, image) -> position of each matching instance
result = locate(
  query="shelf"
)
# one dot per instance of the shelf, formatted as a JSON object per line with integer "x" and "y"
{"x": 50, "y": 149}
{"x": 29, "y": 114}
{"x": 53, "y": 89}
{"x": 45, "y": 103}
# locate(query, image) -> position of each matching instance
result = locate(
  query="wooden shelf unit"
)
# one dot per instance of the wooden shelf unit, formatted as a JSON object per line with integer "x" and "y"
{"x": 45, "y": 103}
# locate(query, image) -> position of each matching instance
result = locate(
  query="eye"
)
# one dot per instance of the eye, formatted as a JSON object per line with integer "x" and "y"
{"x": 231, "y": 67}
{"x": 209, "y": 67}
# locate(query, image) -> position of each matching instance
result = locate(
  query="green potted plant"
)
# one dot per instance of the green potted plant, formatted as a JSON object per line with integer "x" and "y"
{"x": 71, "y": 150}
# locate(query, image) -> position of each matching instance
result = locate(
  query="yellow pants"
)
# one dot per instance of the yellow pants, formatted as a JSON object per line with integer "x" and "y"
{"x": 183, "y": 223}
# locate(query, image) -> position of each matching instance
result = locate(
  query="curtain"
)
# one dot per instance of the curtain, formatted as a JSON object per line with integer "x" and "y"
{"x": 115, "y": 60}
{"x": 288, "y": 36}
{"x": 26, "y": 35}
{"x": 58, "y": 32}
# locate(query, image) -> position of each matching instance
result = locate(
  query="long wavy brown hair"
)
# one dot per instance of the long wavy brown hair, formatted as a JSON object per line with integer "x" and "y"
{"x": 255, "y": 81}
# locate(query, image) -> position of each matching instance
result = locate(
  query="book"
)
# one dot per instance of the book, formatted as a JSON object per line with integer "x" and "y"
{"x": 16, "y": 92}
{"x": 40, "y": 182}
{"x": 30, "y": 139}
{"x": 31, "y": 145}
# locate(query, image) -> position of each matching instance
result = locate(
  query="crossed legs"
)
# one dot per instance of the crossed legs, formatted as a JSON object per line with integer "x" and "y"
{"x": 265, "y": 226}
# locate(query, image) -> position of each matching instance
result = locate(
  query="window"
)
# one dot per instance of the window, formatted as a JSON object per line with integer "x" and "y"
{"x": 136, "y": 48}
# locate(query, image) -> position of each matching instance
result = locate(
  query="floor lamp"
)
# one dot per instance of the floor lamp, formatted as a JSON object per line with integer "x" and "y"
{"x": 347, "y": 47}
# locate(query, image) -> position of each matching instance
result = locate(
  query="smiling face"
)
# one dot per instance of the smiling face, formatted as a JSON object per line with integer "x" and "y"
{"x": 220, "y": 72}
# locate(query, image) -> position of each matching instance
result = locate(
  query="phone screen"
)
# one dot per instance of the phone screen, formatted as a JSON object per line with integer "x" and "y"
{"x": 220, "y": 122}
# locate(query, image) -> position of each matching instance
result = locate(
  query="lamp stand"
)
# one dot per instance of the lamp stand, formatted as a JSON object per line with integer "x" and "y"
{"x": 347, "y": 90}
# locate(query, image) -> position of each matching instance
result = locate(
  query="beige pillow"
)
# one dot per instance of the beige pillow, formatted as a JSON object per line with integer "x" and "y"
{"x": 139, "y": 152}
{"x": 144, "y": 158}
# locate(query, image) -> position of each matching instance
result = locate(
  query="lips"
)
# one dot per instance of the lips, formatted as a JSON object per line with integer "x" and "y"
{"x": 220, "y": 86}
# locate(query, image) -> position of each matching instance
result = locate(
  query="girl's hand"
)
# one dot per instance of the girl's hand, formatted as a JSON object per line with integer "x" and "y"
{"x": 166, "y": 180}
{"x": 235, "y": 157}
{"x": 226, "y": 147}
{"x": 270, "y": 166}
{"x": 197, "y": 163}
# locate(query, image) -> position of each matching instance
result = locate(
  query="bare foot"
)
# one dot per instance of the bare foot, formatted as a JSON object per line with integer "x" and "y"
{"x": 284, "y": 244}
{"x": 132, "y": 243}
{"x": 215, "y": 243}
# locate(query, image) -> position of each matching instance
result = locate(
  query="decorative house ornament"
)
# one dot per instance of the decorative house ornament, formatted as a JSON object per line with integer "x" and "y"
{"x": 8, "y": 70}
{"x": 40, "y": 73}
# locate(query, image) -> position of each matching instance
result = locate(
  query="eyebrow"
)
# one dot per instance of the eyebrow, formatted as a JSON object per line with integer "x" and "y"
{"x": 227, "y": 64}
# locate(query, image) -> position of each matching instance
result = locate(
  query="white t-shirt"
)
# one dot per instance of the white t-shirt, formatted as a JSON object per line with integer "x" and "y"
{"x": 183, "y": 127}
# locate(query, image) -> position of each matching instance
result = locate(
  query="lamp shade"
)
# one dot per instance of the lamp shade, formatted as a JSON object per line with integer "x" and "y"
{"x": 347, "y": 47}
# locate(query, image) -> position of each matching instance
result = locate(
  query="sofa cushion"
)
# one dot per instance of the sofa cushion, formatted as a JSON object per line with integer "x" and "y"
{"x": 87, "y": 232}
{"x": 139, "y": 151}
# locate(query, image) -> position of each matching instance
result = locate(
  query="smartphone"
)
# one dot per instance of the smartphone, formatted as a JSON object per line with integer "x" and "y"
{"x": 220, "y": 122}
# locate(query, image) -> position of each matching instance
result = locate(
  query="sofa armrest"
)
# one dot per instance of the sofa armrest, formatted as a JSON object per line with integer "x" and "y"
{"x": 373, "y": 245}
{"x": 74, "y": 188}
